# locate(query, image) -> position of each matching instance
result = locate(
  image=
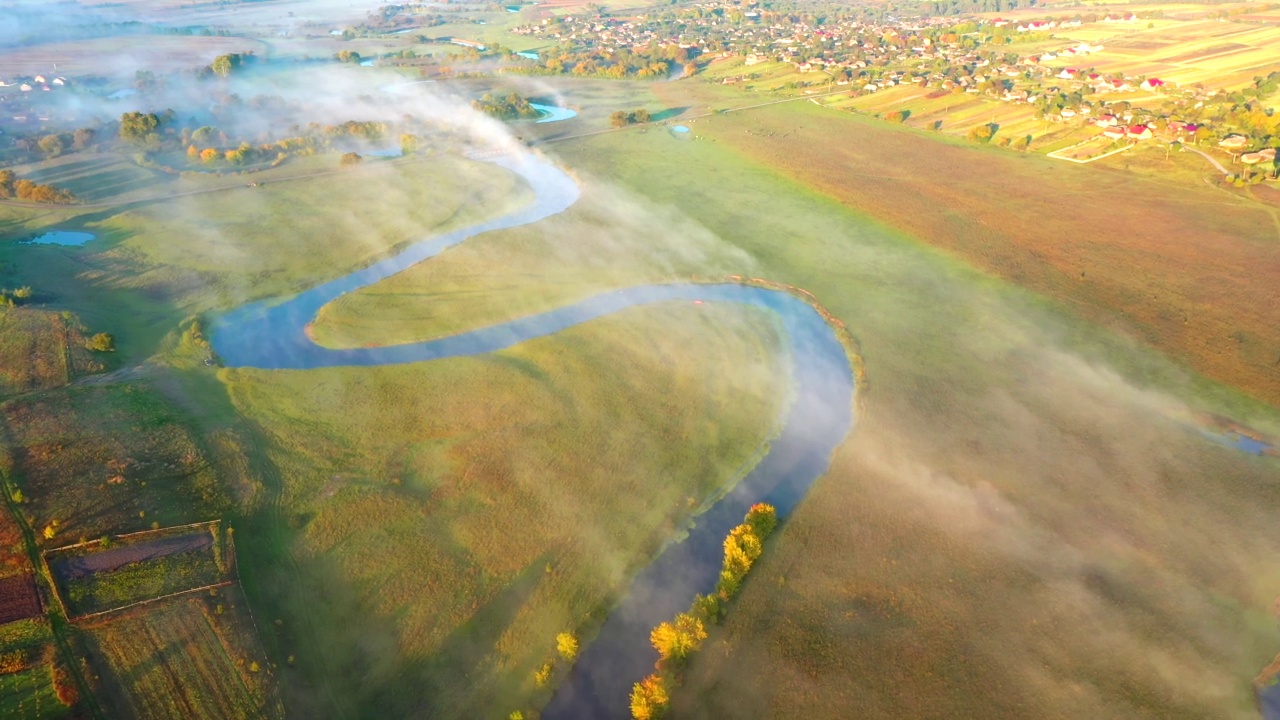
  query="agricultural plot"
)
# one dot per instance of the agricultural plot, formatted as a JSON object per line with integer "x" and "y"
{"x": 30, "y": 695}
{"x": 26, "y": 676}
{"x": 1220, "y": 55}
{"x": 96, "y": 578}
{"x": 40, "y": 349}
{"x": 18, "y": 598}
{"x": 99, "y": 459}
{"x": 182, "y": 659}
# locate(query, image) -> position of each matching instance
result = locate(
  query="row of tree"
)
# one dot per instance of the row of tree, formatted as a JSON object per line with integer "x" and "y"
{"x": 509, "y": 107}
{"x": 13, "y": 187}
{"x": 676, "y": 641}
{"x": 622, "y": 118}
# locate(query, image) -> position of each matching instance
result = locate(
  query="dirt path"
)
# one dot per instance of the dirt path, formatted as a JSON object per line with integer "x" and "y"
{"x": 1210, "y": 158}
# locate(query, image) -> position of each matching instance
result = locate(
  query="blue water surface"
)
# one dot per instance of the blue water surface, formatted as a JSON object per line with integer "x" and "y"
{"x": 61, "y": 237}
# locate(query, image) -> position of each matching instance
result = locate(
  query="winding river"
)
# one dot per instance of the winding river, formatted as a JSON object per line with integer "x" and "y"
{"x": 272, "y": 334}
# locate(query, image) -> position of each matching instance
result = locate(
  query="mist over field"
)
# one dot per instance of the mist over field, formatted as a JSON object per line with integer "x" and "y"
{"x": 380, "y": 392}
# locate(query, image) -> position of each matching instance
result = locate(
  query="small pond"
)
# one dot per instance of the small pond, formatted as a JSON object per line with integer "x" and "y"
{"x": 553, "y": 113}
{"x": 61, "y": 237}
{"x": 679, "y": 129}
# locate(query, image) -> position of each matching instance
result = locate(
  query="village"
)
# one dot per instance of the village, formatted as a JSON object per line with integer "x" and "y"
{"x": 1054, "y": 77}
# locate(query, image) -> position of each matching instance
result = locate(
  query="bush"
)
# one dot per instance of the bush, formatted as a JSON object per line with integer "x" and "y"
{"x": 101, "y": 342}
{"x": 350, "y": 159}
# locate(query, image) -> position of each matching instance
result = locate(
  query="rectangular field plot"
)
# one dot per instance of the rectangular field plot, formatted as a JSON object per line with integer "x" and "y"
{"x": 18, "y": 598}
{"x": 180, "y": 659}
{"x": 29, "y": 695}
{"x": 96, "y": 578}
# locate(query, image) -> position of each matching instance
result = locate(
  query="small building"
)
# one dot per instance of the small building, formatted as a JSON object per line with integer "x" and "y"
{"x": 1152, "y": 84}
{"x": 1233, "y": 142}
{"x": 1140, "y": 132}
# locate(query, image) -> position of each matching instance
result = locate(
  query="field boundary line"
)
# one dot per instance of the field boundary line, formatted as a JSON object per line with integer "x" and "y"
{"x": 1085, "y": 161}
{"x": 155, "y": 531}
{"x": 100, "y": 613}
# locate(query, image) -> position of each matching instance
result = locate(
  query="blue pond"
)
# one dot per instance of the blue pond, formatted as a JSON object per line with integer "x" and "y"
{"x": 553, "y": 113}
{"x": 272, "y": 335}
{"x": 61, "y": 237}
{"x": 679, "y": 128}
{"x": 528, "y": 55}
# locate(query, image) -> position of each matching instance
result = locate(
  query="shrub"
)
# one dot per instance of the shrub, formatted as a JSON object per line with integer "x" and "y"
{"x": 567, "y": 645}
{"x": 101, "y": 342}
{"x": 649, "y": 698}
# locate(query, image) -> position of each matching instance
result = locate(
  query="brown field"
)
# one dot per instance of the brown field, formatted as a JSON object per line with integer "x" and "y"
{"x": 120, "y": 57}
{"x": 40, "y": 349}
{"x": 1190, "y": 270}
{"x": 18, "y": 598}
{"x": 1190, "y": 50}
{"x": 1017, "y": 529}
{"x": 186, "y": 658}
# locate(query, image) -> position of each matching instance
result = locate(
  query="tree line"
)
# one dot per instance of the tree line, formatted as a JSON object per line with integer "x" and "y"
{"x": 11, "y": 186}
{"x": 678, "y": 639}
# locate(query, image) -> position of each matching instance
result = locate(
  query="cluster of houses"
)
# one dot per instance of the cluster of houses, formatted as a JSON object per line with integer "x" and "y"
{"x": 37, "y": 83}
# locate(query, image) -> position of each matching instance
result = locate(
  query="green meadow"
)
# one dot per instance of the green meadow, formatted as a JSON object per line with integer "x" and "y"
{"x": 412, "y": 538}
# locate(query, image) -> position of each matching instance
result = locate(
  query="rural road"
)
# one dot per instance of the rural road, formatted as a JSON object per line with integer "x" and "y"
{"x": 1210, "y": 158}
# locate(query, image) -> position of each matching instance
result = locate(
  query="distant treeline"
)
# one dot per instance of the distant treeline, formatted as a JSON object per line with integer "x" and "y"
{"x": 970, "y": 7}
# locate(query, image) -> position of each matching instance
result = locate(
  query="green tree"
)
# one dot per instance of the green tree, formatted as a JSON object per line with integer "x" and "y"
{"x": 619, "y": 118}
{"x": 675, "y": 641}
{"x": 136, "y": 126}
{"x": 51, "y": 145}
{"x": 641, "y": 116}
{"x": 350, "y": 159}
{"x": 567, "y": 645}
{"x": 101, "y": 342}
{"x": 982, "y": 133}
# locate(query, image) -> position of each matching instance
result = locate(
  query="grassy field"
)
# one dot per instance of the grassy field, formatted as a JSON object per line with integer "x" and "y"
{"x": 107, "y": 458}
{"x": 1023, "y": 525}
{"x": 29, "y": 695}
{"x": 418, "y": 523}
{"x": 186, "y": 658}
{"x": 449, "y": 519}
{"x": 1185, "y": 269}
{"x": 473, "y": 285}
{"x": 40, "y": 349}
{"x": 414, "y": 537}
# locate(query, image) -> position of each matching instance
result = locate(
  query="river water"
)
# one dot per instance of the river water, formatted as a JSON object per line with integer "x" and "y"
{"x": 272, "y": 335}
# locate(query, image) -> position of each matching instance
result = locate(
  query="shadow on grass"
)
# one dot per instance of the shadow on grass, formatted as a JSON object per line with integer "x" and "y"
{"x": 669, "y": 113}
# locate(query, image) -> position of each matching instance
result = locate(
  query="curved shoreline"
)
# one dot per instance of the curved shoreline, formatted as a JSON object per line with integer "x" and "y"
{"x": 826, "y": 372}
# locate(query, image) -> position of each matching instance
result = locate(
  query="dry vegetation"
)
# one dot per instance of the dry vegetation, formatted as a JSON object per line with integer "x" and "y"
{"x": 99, "y": 459}
{"x": 40, "y": 349}
{"x": 194, "y": 657}
{"x": 120, "y": 57}
{"x": 1188, "y": 270}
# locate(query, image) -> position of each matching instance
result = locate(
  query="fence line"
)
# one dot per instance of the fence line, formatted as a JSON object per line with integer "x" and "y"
{"x": 100, "y": 613}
